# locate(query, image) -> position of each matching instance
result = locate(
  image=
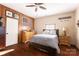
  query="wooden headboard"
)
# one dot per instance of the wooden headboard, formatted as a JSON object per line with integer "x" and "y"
{"x": 57, "y": 32}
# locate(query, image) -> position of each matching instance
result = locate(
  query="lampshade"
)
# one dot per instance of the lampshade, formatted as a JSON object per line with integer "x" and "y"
{"x": 27, "y": 28}
{"x": 64, "y": 29}
{"x": 24, "y": 28}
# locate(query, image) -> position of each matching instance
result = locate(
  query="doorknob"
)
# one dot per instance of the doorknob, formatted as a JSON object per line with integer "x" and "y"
{"x": 6, "y": 33}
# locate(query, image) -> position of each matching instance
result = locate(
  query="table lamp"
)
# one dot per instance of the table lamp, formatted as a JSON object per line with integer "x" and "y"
{"x": 64, "y": 31}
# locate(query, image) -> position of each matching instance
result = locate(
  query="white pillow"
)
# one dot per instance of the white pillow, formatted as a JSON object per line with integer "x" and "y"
{"x": 51, "y": 32}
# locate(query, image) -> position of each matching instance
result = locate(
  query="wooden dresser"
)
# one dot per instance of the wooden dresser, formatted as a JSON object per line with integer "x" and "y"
{"x": 64, "y": 40}
{"x": 26, "y": 36}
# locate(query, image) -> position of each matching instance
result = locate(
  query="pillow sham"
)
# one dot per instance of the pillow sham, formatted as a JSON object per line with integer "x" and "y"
{"x": 52, "y": 32}
{"x": 46, "y": 32}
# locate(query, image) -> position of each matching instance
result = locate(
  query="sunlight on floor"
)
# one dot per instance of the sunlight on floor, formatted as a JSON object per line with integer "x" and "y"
{"x": 6, "y": 51}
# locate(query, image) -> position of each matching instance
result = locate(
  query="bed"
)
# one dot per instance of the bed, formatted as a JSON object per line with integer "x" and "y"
{"x": 46, "y": 42}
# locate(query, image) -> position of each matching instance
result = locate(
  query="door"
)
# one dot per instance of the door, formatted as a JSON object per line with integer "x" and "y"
{"x": 11, "y": 31}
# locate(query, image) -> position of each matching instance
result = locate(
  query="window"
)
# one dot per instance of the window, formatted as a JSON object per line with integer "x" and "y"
{"x": 49, "y": 26}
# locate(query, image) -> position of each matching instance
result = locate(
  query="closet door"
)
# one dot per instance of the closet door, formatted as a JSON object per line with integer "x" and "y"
{"x": 11, "y": 31}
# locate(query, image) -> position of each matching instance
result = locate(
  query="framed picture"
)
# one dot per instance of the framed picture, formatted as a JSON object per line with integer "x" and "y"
{"x": 24, "y": 21}
{"x": 8, "y": 13}
{"x": 16, "y": 16}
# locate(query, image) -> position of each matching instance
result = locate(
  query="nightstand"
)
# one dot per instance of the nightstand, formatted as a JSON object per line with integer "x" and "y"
{"x": 64, "y": 40}
{"x": 26, "y": 36}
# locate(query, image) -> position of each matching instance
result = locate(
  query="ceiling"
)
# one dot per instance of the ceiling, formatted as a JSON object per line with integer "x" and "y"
{"x": 52, "y": 8}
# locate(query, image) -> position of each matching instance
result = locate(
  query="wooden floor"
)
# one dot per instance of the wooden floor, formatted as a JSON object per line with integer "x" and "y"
{"x": 69, "y": 51}
{"x": 24, "y": 50}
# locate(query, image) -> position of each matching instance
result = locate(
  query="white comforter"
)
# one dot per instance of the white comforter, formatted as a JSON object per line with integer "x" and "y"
{"x": 47, "y": 40}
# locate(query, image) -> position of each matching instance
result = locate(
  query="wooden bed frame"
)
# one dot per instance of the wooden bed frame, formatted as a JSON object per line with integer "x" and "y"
{"x": 46, "y": 49}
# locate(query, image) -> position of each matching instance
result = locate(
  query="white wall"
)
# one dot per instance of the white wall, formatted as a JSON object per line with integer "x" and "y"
{"x": 53, "y": 19}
